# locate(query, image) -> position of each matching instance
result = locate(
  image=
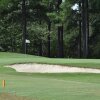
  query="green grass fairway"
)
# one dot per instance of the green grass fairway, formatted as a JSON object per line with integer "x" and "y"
{"x": 53, "y": 86}
{"x": 49, "y": 86}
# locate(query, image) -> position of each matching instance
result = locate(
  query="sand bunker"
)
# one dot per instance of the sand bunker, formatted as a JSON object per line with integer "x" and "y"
{"x": 44, "y": 68}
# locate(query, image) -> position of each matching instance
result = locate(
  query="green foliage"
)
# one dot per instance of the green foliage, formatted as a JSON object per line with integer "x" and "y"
{"x": 95, "y": 23}
{"x": 42, "y": 12}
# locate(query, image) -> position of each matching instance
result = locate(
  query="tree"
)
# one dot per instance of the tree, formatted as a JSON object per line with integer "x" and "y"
{"x": 48, "y": 26}
{"x": 24, "y": 25}
{"x": 85, "y": 27}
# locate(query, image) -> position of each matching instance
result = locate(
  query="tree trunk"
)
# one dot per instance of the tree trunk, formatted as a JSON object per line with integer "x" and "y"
{"x": 87, "y": 25}
{"x": 80, "y": 32}
{"x": 40, "y": 48}
{"x": 79, "y": 47}
{"x": 41, "y": 43}
{"x": 62, "y": 46}
{"x": 60, "y": 42}
{"x": 24, "y": 26}
{"x": 49, "y": 29}
{"x": 85, "y": 28}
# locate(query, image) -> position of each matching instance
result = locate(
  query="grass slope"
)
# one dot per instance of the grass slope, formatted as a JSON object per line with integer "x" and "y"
{"x": 11, "y": 58}
{"x": 49, "y": 86}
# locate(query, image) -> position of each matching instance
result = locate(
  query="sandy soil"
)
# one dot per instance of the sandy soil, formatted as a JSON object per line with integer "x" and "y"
{"x": 44, "y": 68}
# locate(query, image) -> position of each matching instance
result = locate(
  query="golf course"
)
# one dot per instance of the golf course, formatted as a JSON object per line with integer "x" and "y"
{"x": 48, "y": 86}
{"x": 49, "y": 49}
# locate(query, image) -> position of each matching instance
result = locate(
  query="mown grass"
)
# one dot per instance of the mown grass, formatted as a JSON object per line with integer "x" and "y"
{"x": 53, "y": 86}
{"x": 49, "y": 86}
{"x": 9, "y": 58}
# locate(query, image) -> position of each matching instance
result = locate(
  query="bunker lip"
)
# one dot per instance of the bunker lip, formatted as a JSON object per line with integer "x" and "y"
{"x": 45, "y": 68}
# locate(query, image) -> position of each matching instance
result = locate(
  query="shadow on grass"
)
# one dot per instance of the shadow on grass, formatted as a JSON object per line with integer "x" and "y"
{"x": 8, "y": 96}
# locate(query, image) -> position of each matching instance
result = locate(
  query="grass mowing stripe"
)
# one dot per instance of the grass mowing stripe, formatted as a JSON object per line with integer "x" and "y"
{"x": 51, "y": 87}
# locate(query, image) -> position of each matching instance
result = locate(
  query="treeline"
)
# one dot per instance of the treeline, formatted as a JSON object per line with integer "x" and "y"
{"x": 52, "y": 28}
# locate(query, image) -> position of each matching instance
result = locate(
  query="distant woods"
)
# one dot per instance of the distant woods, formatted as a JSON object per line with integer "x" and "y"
{"x": 51, "y": 28}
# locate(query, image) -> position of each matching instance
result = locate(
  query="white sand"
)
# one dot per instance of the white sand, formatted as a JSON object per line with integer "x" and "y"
{"x": 44, "y": 68}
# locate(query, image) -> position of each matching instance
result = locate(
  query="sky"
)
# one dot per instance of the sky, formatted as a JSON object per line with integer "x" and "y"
{"x": 63, "y": 0}
{"x": 75, "y": 7}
